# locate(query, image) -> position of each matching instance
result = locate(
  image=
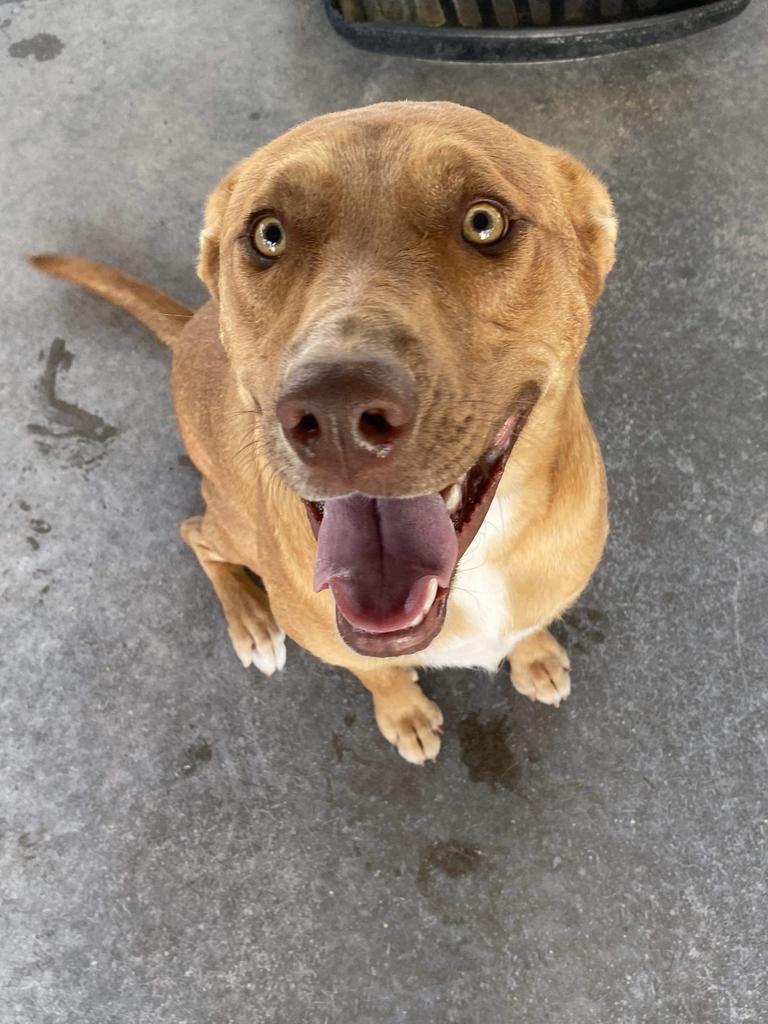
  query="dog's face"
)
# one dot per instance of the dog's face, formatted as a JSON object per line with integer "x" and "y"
{"x": 401, "y": 287}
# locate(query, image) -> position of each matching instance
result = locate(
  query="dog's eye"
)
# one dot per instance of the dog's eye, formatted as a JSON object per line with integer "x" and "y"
{"x": 268, "y": 237}
{"x": 484, "y": 224}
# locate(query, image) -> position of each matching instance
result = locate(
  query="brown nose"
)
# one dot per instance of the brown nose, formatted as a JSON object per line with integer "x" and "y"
{"x": 346, "y": 418}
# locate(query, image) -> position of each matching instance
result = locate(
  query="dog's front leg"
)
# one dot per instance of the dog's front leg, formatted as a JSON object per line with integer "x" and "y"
{"x": 540, "y": 668}
{"x": 408, "y": 719}
{"x": 255, "y": 635}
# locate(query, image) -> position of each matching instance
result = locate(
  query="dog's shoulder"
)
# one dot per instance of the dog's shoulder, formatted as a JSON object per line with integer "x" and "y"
{"x": 204, "y": 390}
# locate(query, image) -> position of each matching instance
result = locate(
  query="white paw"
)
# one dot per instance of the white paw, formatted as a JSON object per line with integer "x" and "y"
{"x": 269, "y": 655}
{"x": 257, "y": 638}
{"x": 410, "y": 721}
{"x": 540, "y": 669}
{"x": 547, "y": 681}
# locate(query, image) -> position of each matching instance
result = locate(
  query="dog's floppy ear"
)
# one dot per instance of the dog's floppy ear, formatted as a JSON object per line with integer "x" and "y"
{"x": 594, "y": 222}
{"x": 210, "y": 236}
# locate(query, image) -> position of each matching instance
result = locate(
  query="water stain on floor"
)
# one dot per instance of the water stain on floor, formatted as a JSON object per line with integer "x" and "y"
{"x": 75, "y": 421}
{"x": 29, "y": 841}
{"x": 589, "y": 626}
{"x": 447, "y": 857}
{"x": 43, "y": 46}
{"x": 195, "y": 756}
{"x": 486, "y": 752}
{"x": 67, "y": 420}
{"x": 338, "y": 747}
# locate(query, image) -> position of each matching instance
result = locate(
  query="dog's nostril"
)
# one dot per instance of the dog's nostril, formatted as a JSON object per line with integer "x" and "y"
{"x": 374, "y": 426}
{"x": 307, "y": 426}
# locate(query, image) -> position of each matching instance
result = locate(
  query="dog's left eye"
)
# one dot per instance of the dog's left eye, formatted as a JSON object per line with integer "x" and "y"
{"x": 484, "y": 224}
{"x": 268, "y": 237}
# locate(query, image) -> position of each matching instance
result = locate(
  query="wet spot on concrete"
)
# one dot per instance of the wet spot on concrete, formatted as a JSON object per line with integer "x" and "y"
{"x": 33, "y": 543}
{"x": 533, "y": 756}
{"x": 584, "y": 622}
{"x": 28, "y": 841}
{"x": 5, "y": 23}
{"x": 486, "y": 752}
{"x": 25, "y": 506}
{"x": 341, "y": 748}
{"x": 447, "y": 857}
{"x": 42, "y": 47}
{"x": 255, "y": 116}
{"x": 67, "y": 420}
{"x": 197, "y": 754}
{"x": 40, "y": 525}
{"x": 76, "y": 422}
{"x": 184, "y": 460}
{"x": 338, "y": 747}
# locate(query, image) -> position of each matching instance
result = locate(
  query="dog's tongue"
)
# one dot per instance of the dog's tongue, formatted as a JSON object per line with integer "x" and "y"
{"x": 379, "y": 557}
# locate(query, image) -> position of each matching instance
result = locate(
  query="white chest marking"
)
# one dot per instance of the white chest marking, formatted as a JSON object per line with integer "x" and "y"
{"x": 479, "y": 593}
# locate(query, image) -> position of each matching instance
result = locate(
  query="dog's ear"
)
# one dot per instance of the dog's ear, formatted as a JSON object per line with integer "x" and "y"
{"x": 593, "y": 219}
{"x": 210, "y": 236}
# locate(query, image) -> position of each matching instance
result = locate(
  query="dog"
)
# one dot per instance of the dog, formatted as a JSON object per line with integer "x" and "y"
{"x": 382, "y": 398}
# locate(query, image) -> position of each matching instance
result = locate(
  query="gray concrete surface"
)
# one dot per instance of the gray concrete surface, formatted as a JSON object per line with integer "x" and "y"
{"x": 186, "y": 843}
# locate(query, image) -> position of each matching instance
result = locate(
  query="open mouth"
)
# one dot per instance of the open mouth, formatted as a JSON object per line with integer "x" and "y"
{"x": 389, "y": 562}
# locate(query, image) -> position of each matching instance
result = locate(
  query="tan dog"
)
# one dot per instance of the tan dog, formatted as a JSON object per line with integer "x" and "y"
{"x": 382, "y": 397}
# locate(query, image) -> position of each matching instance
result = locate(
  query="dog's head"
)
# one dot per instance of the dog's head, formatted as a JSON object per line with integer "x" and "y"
{"x": 401, "y": 289}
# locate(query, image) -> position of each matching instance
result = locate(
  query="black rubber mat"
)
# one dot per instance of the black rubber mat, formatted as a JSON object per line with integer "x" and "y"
{"x": 520, "y": 30}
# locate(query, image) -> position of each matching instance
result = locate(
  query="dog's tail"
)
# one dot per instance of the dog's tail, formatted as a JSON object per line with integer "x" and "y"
{"x": 159, "y": 312}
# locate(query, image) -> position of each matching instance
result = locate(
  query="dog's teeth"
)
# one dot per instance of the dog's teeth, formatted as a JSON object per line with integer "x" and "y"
{"x": 429, "y": 600}
{"x": 453, "y": 498}
{"x": 418, "y": 621}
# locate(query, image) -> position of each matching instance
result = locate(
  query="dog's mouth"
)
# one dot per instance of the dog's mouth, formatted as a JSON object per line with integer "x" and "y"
{"x": 389, "y": 562}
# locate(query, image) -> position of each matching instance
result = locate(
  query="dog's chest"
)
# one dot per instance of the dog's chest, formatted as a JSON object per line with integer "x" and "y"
{"x": 476, "y": 630}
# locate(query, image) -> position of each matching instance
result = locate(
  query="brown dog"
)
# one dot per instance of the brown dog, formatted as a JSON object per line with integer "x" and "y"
{"x": 382, "y": 397}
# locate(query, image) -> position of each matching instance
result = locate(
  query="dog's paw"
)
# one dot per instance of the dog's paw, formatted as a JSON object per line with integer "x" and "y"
{"x": 268, "y": 656}
{"x": 540, "y": 668}
{"x": 409, "y": 721}
{"x": 256, "y": 637}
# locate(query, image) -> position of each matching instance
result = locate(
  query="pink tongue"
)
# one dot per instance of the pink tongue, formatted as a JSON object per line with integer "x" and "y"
{"x": 378, "y": 556}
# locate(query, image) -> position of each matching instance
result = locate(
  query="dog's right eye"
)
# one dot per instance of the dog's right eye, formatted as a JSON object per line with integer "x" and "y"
{"x": 484, "y": 224}
{"x": 268, "y": 237}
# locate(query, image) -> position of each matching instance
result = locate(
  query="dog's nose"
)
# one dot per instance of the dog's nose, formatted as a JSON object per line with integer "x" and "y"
{"x": 345, "y": 418}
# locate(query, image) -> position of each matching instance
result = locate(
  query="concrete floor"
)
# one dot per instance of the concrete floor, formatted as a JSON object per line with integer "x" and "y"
{"x": 183, "y": 842}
